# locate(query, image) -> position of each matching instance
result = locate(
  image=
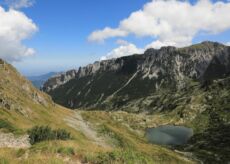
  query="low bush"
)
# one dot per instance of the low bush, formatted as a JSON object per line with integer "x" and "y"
{"x": 43, "y": 133}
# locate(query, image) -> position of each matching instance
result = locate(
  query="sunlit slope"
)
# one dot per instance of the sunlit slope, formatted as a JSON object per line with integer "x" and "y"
{"x": 22, "y": 105}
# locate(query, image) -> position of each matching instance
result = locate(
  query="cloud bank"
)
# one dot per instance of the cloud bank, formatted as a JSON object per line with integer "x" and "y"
{"x": 171, "y": 22}
{"x": 15, "y": 27}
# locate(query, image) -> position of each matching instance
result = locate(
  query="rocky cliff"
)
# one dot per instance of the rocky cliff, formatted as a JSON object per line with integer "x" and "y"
{"x": 133, "y": 83}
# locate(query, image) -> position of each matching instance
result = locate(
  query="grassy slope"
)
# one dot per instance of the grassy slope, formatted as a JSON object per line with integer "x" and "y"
{"x": 22, "y": 107}
{"x": 24, "y": 110}
{"x": 130, "y": 145}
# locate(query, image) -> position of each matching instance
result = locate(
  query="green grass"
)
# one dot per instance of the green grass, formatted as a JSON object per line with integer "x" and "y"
{"x": 121, "y": 156}
{"x": 20, "y": 153}
{"x": 117, "y": 140}
{"x": 129, "y": 146}
{"x": 66, "y": 151}
{"x": 6, "y": 125}
{"x": 3, "y": 160}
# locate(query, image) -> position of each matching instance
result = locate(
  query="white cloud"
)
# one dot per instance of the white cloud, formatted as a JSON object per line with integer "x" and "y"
{"x": 228, "y": 44}
{"x": 101, "y": 35}
{"x": 171, "y": 21}
{"x": 122, "y": 42}
{"x": 127, "y": 49}
{"x": 17, "y": 4}
{"x": 158, "y": 44}
{"x": 14, "y": 28}
{"x": 124, "y": 50}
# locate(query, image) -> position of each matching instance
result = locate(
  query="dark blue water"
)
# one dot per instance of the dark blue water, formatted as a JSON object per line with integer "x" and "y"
{"x": 169, "y": 135}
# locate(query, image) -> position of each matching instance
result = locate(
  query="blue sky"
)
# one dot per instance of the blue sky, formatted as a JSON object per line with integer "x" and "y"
{"x": 64, "y": 27}
{"x": 61, "y": 42}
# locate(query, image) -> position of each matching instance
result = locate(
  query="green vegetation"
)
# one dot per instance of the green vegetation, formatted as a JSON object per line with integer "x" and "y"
{"x": 6, "y": 125}
{"x": 20, "y": 153}
{"x": 66, "y": 151}
{"x": 130, "y": 147}
{"x": 4, "y": 161}
{"x": 212, "y": 146}
{"x": 122, "y": 156}
{"x": 115, "y": 138}
{"x": 43, "y": 133}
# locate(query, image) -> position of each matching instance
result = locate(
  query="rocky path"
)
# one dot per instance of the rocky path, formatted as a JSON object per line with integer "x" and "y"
{"x": 8, "y": 140}
{"x": 77, "y": 122}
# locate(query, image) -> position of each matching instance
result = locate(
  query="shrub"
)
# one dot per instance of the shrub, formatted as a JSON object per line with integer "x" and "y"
{"x": 43, "y": 133}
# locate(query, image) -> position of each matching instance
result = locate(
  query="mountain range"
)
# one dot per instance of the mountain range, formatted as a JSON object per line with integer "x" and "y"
{"x": 134, "y": 83}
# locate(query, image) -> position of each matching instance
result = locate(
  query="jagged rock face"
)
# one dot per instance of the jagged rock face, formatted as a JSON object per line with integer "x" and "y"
{"x": 58, "y": 80}
{"x": 132, "y": 81}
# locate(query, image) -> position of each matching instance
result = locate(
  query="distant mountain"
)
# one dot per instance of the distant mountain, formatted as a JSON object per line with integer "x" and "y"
{"x": 38, "y": 81}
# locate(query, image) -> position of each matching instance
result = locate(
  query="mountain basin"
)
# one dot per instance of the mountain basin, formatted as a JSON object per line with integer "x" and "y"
{"x": 169, "y": 135}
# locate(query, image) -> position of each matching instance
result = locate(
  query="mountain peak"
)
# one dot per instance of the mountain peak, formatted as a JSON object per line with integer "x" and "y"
{"x": 210, "y": 43}
{"x": 164, "y": 49}
{"x": 205, "y": 45}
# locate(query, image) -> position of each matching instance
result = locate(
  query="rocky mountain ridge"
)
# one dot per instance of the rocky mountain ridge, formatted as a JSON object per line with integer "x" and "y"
{"x": 115, "y": 83}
